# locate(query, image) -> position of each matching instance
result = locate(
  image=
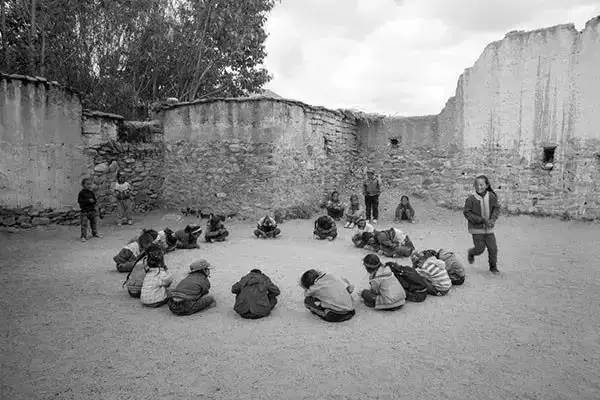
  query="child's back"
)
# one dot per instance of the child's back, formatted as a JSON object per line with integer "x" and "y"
{"x": 332, "y": 293}
{"x": 154, "y": 290}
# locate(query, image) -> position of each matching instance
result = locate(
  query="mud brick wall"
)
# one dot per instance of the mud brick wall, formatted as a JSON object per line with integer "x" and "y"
{"x": 248, "y": 156}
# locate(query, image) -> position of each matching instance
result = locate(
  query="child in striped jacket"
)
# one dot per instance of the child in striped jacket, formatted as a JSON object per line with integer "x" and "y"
{"x": 434, "y": 272}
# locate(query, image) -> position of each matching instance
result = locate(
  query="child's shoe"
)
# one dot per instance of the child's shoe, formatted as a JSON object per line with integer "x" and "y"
{"x": 374, "y": 221}
{"x": 98, "y": 235}
{"x": 83, "y": 239}
{"x": 129, "y": 222}
{"x": 119, "y": 223}
{"x": 351, "y": 225}
{"x": 330, "y": 238}
{"x": 494, "y": 270}
{"x": 470, "y": 258}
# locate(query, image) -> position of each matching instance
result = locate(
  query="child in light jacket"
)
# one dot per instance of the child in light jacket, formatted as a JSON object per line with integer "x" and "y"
{"x": 327, "y": 296}
{"x": 394, "y": 243}
{"x": 154, "y": 289}
{"x": 386, "y": 292}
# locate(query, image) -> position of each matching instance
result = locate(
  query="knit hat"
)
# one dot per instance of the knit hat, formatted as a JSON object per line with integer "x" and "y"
{"x": 200, "y": 265}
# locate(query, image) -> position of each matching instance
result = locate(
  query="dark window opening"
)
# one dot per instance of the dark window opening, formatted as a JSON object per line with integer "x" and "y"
{"x": 394, "y": 142}
{"x": 549, "y": 154}
{"x": 327, "y": 146}
{"x": 548, "y": 157}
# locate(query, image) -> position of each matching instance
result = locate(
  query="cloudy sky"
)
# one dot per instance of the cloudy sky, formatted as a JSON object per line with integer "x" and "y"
{"x": 398, "y": 57}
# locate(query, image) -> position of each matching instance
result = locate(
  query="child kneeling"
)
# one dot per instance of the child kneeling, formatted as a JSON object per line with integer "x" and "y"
{"x": 386, "y": 292}
{"x": 327, "y": 296}
{"x": 191, "y": 294}
{"x": 394, "y": 243}
{"x": 325, "y": 228}
{"x": 266, "y": 228}
{"x": 256, "y": 295}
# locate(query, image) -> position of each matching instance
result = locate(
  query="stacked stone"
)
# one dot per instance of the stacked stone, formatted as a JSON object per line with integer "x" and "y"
{"x": 141, "y": 164}
{"x": 28, "y": 217}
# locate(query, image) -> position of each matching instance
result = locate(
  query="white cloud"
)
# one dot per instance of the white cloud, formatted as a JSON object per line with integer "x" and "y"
{"x": 394, "y": 56}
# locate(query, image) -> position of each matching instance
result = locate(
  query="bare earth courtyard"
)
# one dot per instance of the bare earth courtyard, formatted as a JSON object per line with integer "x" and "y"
{"x": 70, "y": 331}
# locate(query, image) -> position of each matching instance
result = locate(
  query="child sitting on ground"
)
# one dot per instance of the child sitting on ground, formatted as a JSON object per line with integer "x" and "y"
{"x": 404, "y": 211}
{"x": 394, "y": 243}
{"x": 325, "y": 228}
{"x": 454, "y": 267}
{"x": 335, "y": 208}
{"x": 215, "y": 229}
{"x": 122, "y": 192}
{"x": 414, "y": 284}
{"x": 361, "y": 227}
{"x": 266, "y": 228}
{"x": 434, "y": 272}
{"x": 327, "y": 296}
{"x": 132, "y": 252}
{"x": 87, "y": 204}
{"x": 355, "y": 213}
{"x": 385, "y": 293}
{"x": 135, "y": 278}
{"x": 157, "y": 280}
{"x": 191, "y": 293}
{"x": 187, "y": 238}
{"x": 255, "y": 295}
{"x": 166, "y": 240}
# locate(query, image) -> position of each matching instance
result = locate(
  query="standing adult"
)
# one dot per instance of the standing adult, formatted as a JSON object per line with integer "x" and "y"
{"x": 371, "y": 191}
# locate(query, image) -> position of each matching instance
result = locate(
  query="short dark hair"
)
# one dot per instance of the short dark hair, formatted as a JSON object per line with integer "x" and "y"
{"x": 256, "y": 270}
{"x": 308, "y": 278}
{"x": 371, "y": 262}
{"x": 84, "y": 180}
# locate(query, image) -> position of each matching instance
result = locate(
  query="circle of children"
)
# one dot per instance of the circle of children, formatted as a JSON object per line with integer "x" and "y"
{"x": 433, "y": 272}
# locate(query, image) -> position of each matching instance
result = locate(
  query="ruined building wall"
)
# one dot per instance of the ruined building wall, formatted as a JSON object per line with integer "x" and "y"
{"x": 526, "y": 92}
{"x": 246, "y": 155}
{"x": 41, "y": 162}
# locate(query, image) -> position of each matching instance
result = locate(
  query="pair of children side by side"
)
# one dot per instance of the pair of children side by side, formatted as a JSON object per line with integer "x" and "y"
{"x": 481, "y": 211}
{"x": 336, "y": 209}
{"x": 330, "y": 297}
{"x": 391, "y": 242}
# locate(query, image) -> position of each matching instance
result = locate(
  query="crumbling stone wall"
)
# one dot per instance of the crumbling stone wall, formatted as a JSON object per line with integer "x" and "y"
{"x": 251, "y": 155}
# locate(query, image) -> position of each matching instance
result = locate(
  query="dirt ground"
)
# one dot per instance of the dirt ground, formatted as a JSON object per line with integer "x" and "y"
{"x": 70, "y": 331}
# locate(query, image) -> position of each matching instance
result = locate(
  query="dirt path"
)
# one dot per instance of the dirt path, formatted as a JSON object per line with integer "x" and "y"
{"x": 69, "y": 330}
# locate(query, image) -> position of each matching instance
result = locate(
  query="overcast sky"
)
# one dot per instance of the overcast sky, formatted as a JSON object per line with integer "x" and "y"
{"x": 398, "y": 57}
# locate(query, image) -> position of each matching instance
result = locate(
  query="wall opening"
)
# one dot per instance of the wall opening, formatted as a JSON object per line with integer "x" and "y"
{"x": 394, "y": 142}
{"x": 548, "y": 157}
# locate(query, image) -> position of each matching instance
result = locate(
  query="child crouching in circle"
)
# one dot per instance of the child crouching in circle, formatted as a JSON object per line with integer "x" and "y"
{"x": 327, "y": 296}
{"x": 325, "y": 228}
{"x": 266, "y": 228}
{"x": 154, "y": 289}
{"x": 191, "y": 294}
{"x": 386, "y": 292}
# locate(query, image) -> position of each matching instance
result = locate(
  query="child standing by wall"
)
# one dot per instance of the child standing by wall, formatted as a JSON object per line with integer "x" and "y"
{"x": 122, "y": 192}
{"x": 371, "y": 191}
{"x": 481, "y": 211}
{"x": 404, "y": 211}
{"x": 88, "y": 205}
